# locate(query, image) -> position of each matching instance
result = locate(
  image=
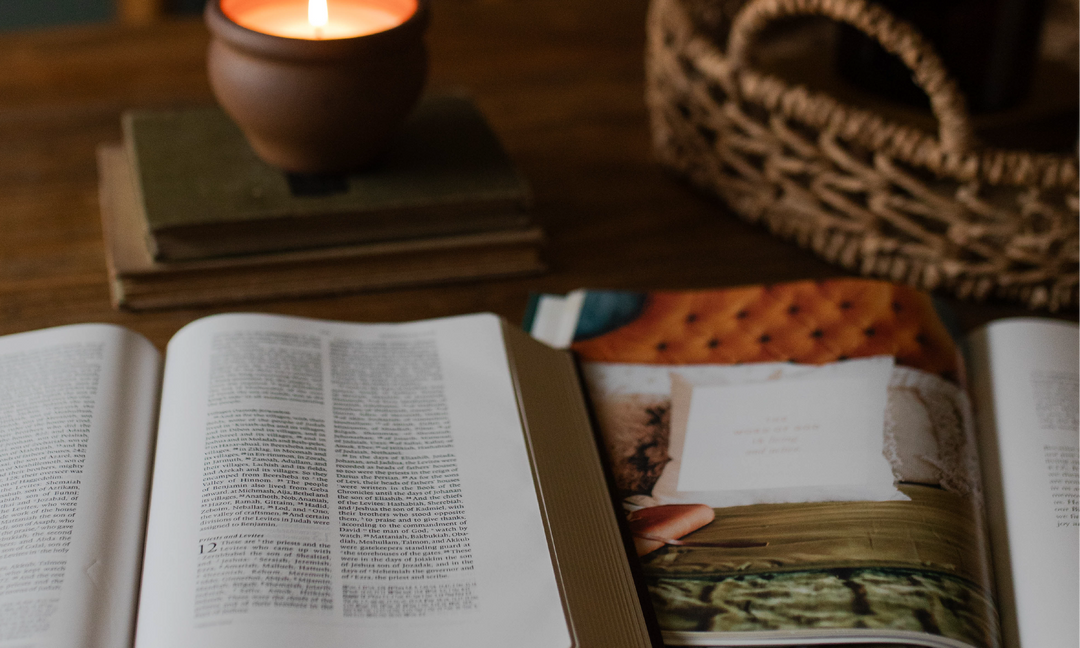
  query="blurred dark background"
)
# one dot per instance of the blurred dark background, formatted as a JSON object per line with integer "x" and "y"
{"x": 28, "y": 14}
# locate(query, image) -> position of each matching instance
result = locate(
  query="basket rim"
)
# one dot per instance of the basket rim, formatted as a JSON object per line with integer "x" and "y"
{"x": 820, "y": 110}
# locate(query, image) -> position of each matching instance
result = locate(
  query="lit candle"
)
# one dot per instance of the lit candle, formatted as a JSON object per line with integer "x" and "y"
{"x": 318, "y": 19}
{"x": 317, "y": 88}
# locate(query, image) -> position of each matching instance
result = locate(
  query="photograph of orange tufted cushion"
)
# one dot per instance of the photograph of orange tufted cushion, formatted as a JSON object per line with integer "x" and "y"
{"x": 765, "y": 561}
{"x": 811, "y": 322}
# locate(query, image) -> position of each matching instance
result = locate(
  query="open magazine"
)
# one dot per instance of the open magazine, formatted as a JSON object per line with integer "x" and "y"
{"x": 799, "y": 463}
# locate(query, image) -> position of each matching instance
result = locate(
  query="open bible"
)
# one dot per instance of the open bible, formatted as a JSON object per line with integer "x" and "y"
{"x": 280, "y": 481}
{"x": 814, "y": 463}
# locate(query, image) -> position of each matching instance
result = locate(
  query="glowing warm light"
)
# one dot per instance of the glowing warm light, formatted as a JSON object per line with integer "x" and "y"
{"x": 317, "y": 13}
{"x": 312, "y": 20}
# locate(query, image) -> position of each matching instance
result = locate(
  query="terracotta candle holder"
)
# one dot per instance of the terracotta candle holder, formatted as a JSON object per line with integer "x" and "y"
{"x": 321, "y": 97}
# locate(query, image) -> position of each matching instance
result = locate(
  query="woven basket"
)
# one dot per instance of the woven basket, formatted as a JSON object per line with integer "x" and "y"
{"x": 875, "y": 196}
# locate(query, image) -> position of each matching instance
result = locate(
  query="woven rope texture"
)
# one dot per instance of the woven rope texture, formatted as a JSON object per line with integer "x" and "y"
{"x": 875, "y": 196}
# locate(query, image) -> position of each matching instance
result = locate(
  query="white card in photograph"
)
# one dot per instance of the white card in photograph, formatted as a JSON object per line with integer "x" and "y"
{"x": 814, "y": 437}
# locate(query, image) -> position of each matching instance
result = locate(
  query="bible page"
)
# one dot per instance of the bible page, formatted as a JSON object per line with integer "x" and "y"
{"x": 78, "y": 405}
{"x": 331, "y": 484}
{"x": 1026, "y": 392}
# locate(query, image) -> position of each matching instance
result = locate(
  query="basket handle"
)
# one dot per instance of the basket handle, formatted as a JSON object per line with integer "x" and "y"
{"x": 896, "y": 36}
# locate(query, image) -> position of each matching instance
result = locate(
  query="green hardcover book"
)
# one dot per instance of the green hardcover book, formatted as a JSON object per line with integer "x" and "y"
{"x": 138, "y": 282}
{"x": 205, "y": 193}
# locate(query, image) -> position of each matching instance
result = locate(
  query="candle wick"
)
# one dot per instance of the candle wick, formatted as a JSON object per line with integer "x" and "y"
{"x": 318, "y": 33}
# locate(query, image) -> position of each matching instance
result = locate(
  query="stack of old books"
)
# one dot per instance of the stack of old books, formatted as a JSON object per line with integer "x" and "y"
{"x": 191, "y": 217}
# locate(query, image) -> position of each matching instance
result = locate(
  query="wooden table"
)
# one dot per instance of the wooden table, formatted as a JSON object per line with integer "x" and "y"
{"x": 560, "y": 81}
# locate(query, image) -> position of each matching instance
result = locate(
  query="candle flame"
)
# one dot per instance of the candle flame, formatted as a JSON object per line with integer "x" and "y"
{"x": 317, "y": 13}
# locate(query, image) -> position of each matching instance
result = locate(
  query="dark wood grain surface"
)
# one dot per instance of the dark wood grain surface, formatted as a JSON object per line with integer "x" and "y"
{"x": 559, "y": 80}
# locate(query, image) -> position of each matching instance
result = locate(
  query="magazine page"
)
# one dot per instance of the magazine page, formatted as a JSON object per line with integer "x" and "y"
{"x": 77, "y": 416}
{"x": 796, "y": 463}
{"x": 1026, "y": 389}
{"x": 332, "y": 484}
